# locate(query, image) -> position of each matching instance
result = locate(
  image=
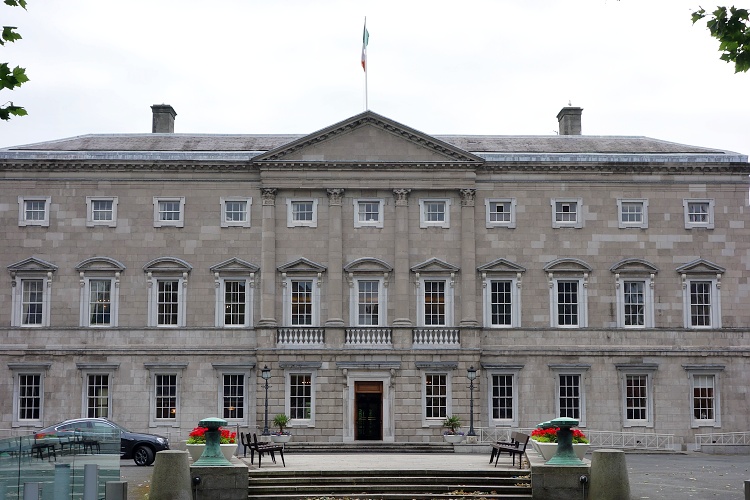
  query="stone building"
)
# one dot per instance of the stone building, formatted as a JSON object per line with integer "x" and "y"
{"x": 369, "y": 266}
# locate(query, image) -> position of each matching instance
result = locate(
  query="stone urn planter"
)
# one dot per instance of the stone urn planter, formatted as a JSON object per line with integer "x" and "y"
{"x": 281, "y": 438}
{"x": 548, "y": 450}
{"x": 196, "y": 450}
{"x": 453, "y": 438}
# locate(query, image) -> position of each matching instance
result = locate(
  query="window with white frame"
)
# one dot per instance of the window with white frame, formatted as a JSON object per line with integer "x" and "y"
{"x": 699, "y": 213}
{"x": 436, "y": 397}
{"x": 566, "y": 212}
{"x": 502, "y": 302}
{"x": 98, "y": 398}
{"x": 632, "y": 213}
{"x": 368, "y": 212}
{"x": 235, "y": 212}
{"x": 165, "y": 396}
{"x": 167, "y": 291}
{"x": 504, "y": 399}
{"x": 435, "y": 307}
{"x": 434, "y": 213}
{"x": 302, "y": 212}
{"x": 234, "y": 281}
{"x": 301, "y": 397}
{"x": 100, "y": 290}
{"x": 101, "y": 211}
{"x": 33, "y": 302}
{"x": 236, "y": 302}
{"x": 301, "y": 283}
{"x": 169, "y": 212}
{"x": 500, "y": 212}
{"x": 369, "y": 303}
{"x": 28, "y": 393}
{"x": 702, "y": 297}
{"x": 302, "y": 302}
{"x": 100, "y": 302}
{"x": 568, "y": 298}
{"x": 34, "y": 210}
{"x": 571, "y": 395}
{"x": 635, "y": 303}
{"x": 234, "y": 398}
{"x": 637, "y": 394}
{"x": 31, "y": 292}
{"x": 704, "y": 398}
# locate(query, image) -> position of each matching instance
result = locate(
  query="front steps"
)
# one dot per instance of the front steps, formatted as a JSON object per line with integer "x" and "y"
{"x": 367, "y": 447}
{"x": 390, "y": 484}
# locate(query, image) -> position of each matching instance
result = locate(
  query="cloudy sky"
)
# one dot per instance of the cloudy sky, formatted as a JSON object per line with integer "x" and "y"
{"x": 494, "y": 67}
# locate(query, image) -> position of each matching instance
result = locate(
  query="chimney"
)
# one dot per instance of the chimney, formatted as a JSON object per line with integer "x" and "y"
{"x": 163, "y": 119}
{"x": 569, "y": 119}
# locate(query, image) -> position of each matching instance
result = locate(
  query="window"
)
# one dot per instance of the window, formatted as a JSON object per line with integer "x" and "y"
{"x": 632, "y": 213}
{"x": 701, "y": 304}
{"x": 504, "y": 398}
{"x": 301, "y": 282}
{"x": 100, "y": 280}
{"x": 233, "y": 396}
{"x": 32, "y": 302}
{"x": 235, "y": 281}
{"x": 368, "y": 213}
{"x": 28, "y": 393}
{"x": 100, "y": 302}
{"x": 435, "y": 281}
{"x": 568, "y": 282}
{"x": 704, "y": 399}
{"x": 500, "y": 212}
{"x": 566, "y": 212}
{"x": 300, "y": 396}
{"x": 635, "y": 303}
{"x": 302, "y": 213}
{"x": 97, "y": 397}
{"x": 436, "y": 396}
{"x": 168, "y": 302}
{"x": 434, "y": 213}
{"x": 637, "y": 394}
{"x": 698, "y": 213}
{"x": 31, "y": 292}
{"x": 501, "y": 309}
{"x": 235, "y": 302}
{"x": 167, "y": 291}
{"x": 701, "y": 285}
{"x": 169, "y": 212}
{"x": 101, "y": 211}
{"x": 235, "y": 212}
{"x": 569, "y": 396}
{"x": 302, "y": 302}
{"x": 33, "y": 211}
{"x": 368, "y": 302}
{"x": 368, "y": 291}
{"x": 165, "y": 391}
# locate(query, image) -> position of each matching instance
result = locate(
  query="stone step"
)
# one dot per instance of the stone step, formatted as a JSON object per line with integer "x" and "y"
{"x": 367, "y": 447}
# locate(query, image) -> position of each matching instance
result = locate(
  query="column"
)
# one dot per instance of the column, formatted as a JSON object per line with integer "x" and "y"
{"x": 335, "y": 259}
{"x": 268, "y": 260}
{"x": 468, "y": 260}
{"x": 402, "y": 297}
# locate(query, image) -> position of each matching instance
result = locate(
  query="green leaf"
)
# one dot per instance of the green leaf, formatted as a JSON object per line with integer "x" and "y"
{"x": 10, "y": 109}
{"x": 16, "y": 3}
{"x": 9, "y": 35}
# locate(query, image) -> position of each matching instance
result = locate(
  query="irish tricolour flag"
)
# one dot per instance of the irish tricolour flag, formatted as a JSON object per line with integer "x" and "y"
{"x": 365, "y": 38}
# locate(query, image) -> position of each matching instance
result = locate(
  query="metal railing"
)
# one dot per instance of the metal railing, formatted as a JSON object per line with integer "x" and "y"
{"x": 597, "y": 439}
{"x": 436, "y": 337}
{"x": 364, "y": 337}
{"x": 723, "y": 438}
{"x": 301, "y": 337}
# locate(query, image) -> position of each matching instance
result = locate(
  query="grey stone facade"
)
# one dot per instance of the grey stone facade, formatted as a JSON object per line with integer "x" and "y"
{"x": 560, "y": 224}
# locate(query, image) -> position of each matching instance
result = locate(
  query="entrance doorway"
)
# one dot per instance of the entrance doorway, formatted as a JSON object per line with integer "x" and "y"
{"x": 368, "y": 411}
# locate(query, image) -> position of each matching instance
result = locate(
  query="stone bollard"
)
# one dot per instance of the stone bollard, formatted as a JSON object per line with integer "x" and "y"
{"x": 171, "y": 477}
{"x": 609, "y": 476}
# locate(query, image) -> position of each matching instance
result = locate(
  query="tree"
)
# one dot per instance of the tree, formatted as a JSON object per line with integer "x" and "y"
{"x": 733, "y": 33}
{"x": 11, "y": 78}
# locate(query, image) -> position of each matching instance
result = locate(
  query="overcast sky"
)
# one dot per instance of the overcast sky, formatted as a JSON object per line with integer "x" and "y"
{"x": 636, "y": 67}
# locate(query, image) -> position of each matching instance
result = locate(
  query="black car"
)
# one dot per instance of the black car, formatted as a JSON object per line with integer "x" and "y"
{"x": 93, "y": 432}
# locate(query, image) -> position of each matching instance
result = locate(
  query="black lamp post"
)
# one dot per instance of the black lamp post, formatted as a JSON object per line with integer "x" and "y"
{"x": 265, "y": 373}
{"x": 472, "y": 374}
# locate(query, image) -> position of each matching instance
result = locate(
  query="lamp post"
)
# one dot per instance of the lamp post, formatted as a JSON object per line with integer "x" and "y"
{"x": 265, "y": 373}
{"x": 472, "y": 374}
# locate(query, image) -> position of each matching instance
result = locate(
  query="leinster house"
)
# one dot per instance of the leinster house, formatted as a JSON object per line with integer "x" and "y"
{"x": 369, "y": 268}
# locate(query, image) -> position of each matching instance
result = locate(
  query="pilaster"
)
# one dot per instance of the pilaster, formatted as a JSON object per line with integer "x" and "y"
{"x": 402, "y": 297}
{"x": 335, "y": 259}
{"x": 468, "y": 259}
{"x": 268, "y": 259}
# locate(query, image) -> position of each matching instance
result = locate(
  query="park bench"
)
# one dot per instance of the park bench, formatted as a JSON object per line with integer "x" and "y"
{"x": 516, "y": 446}
{"x": 262, "y": 448}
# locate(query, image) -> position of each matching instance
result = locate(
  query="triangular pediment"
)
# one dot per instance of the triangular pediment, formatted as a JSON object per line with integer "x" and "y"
{"x": 103, "y": 264}
{"x": 32, "y": 265}
{"x": 567, "y": 265}
{"x": 167, "y": 265}
{"x": 700, "y": 266}
{"x": 634, "y": 266}
{"x": 501, "y": 266}
{"x": 368, "y": 138}
{"x": 302, "y": 265}
{"x": 434, "y": 266}
{"x": 236, "y": 266}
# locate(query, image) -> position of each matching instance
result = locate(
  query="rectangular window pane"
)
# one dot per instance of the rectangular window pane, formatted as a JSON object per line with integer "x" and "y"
{"x": 499, "y": 211}
{"x": 567, "y": 303}
{"x": 32, "y": 302}
{"x": 700, "y": 303}
{"x": 368, "y": 211}
{"x": 235, "y": 211}
{"x": 502, "y": 396}
{"x": 168, "y": 302}
{"x": 97, "y": 396}
{"x": 100, "y": 301}
{"x": 300, "y": 396}
{"x": 29, "y": 397}
{"x": 436, "y": 396}
{"x": 367, "y": 303}
{"x": 434, "y": 211}
{"x": 565, "y": 211}
{"x": 35, "y": 210}
{"x": 101, "y": 210}
{"x": 500, "y": 302}
{"x": 234, "y": 396}
{"x": 636, "y": 397}
{"x": 302, "y": 306}
{"x": 165, "y": 392}
{"x": 434, "y": 303}
{"x": 169, "y": 210}
{"x": 703, "y": 397}
{"x": 632, "y": 213}
{"x": 302, "y": 210}
{"x": 234, "y": 302}
{"x": 698, "y": 212}
{"x": 634, "y": 303}
{"x": 570, "y": 396}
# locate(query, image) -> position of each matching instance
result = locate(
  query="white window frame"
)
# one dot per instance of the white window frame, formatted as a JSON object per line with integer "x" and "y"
{"x": 17, "y": 299}
{"x": 23, "y": 221}
{"x": 221, "y": 301}
{"x": 114, "y": 301}
{"x": 624, "y": 202}
{"x": 382, "y": 301}
{"x": 577, "y": 223}
{"x": 488, "y": 204}
{"x": 706, "y": 371}
{"x": 153, "y": 297}
{"x": 158, "y": 222}
{"x": 709, "y": 223}
{"x": 155, "y": 369}
{"x": 648, "y": 297}
{"x": 512, "y": 371}
{"x": 449, "y": 300}
{"x": 91, "y": 221}
{"x": 580, "y": 371}
{"x": 376, "y": 223}
{"x": 234, "y": 370}
{"x": 715, "y": 314}
{"x": 233, "y": 223}
{"x": 287, "y": 299}
{"x": 19, "y": 369}
{"x": 515, "y": 297}
{"x": 85, "y": 374}
{"x": 313, "y": 373}
{"x": 648, "y": 371}
{"x": 582, "y": 301}
{"x": 437, "y": 421}
{"x": 292, "y": 222}
{"x": 424, "y": 223}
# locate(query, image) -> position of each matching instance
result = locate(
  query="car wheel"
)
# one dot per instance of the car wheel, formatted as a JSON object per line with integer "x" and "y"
{"x": 143, "y": 455}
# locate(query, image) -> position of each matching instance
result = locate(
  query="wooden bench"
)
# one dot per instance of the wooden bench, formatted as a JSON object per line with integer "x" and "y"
{"x": 262, "y": 448}
{"x": 516, "y": 446}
